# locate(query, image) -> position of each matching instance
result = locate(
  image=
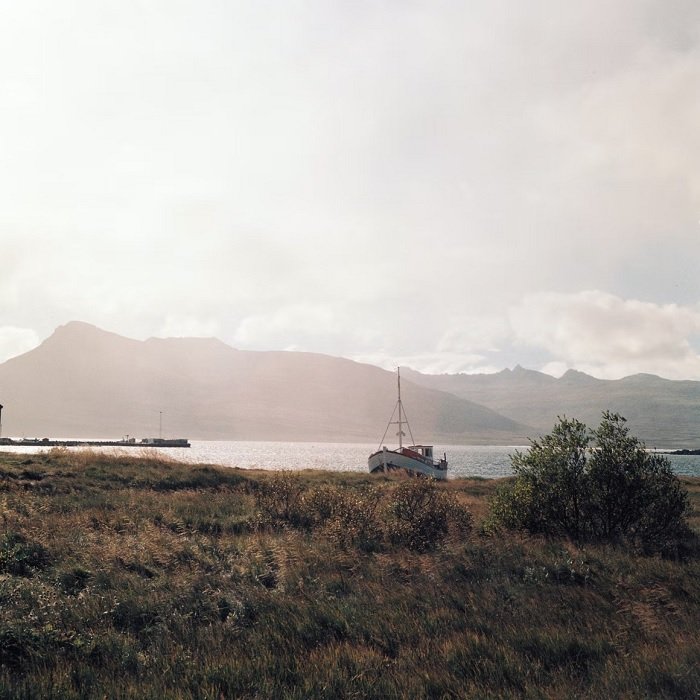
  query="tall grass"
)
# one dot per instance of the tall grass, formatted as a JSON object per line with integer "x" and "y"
{"x": 140, "y": 578}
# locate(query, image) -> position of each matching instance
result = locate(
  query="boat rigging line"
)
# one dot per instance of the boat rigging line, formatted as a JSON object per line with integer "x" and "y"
{"x": 400, "y": 422}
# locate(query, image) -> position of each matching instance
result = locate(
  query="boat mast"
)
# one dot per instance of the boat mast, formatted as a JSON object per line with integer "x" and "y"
{"x": 403, "y": 419}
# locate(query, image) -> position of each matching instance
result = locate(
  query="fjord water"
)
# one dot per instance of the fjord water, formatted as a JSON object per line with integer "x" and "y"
{"x": 482, "y": 461}
{"x": 487, "y": 461}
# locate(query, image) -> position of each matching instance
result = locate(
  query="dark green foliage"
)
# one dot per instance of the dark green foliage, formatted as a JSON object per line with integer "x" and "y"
{"x": 601, "y": 485}
{"x": 633, "y": 493}
{"x": 19, "y": 643}
{"x": 548, "y": 653}
{"x": 132, "y": 615}
{"x": 548, "y": 491}
{"x": 198, "y": 478}
{"x": 20, "y": 556}
{"x": 74, "y": 580}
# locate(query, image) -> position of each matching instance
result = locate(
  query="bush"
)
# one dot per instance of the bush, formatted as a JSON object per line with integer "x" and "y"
{"x": 356, "y": 521}
{"x": 599, "y": 485}
{"x": 417, "y": 515}
{"x": 279, "y": 501}
{"x": 421, "y": 515}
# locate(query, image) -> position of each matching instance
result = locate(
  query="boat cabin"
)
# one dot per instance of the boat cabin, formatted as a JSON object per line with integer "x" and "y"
{"x": 424, "y": 450}
{"x": 424, "y": 453}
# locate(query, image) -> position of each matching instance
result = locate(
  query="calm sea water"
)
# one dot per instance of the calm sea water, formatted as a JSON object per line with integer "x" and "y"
{"x": 470, "y": 460}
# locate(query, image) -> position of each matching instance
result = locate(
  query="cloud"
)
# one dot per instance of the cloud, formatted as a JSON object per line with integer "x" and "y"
{"x": 474, "y": 333}
{"x": 438, "y": 362}
{"x": 290, "y": 327}
{"x": 16, "y": 341}
{"x": 608, "y": 336}
{"x": 184, "y": 326}
{"x": 363, "y": 179}
{"x": 625, "y": 145}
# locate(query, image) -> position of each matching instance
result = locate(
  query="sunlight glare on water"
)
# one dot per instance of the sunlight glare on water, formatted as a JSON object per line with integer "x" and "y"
{"x": 485, "y": 461}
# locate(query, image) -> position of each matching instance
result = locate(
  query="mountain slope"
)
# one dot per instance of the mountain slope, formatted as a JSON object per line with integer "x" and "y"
{"x": 662, "y": 412}
{"x": 86, "y": 382}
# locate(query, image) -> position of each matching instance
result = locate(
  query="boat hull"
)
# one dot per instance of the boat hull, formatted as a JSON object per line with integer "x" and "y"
{"x": 390, "y": 460}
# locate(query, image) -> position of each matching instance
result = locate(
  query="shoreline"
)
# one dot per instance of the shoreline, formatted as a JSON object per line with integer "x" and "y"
{"x": 48, "y": 442}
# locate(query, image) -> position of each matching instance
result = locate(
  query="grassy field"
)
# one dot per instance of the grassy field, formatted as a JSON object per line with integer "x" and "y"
{"x": 137, "y": 578}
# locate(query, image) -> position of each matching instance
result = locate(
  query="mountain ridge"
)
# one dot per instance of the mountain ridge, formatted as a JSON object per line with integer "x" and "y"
{"x": 662, "y": 412}
{"x": 84, "y": 381}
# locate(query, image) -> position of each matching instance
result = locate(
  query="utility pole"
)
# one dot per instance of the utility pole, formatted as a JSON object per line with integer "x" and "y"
{"x": 0, "y": 420}
{"x": 160, "y": 424}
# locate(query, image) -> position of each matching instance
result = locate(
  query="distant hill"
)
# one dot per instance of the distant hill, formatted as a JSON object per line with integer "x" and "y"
{"x": 87, "y": 382}
{"x": 662, "y": 412}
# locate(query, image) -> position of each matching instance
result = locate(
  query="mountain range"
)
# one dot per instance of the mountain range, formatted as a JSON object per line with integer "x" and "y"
{"x": 86, "y": 382}
{"x": 662, "y": 412}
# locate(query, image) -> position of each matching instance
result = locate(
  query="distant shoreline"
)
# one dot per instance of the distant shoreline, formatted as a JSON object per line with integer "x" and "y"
{"x": 46, "y": 442}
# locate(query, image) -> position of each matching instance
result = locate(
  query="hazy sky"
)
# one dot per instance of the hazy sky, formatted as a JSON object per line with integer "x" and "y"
{"x": 454, "y": 186}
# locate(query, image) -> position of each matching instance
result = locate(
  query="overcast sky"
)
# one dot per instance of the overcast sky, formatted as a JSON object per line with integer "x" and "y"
{"x": 453, "y": 186}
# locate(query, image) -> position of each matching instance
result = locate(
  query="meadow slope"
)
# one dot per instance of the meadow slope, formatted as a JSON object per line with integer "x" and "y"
{"x": 131, "y": 577}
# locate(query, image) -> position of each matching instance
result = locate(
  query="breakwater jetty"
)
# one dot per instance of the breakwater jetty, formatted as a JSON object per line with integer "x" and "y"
{"x": 128, "y": 442}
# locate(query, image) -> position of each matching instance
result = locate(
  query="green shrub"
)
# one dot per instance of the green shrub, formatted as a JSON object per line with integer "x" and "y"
{"x": 599, "y": 485}
{"x": 633, "y": 493}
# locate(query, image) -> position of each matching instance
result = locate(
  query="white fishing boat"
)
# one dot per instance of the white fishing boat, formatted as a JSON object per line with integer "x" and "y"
{"x": 415, "y": 459}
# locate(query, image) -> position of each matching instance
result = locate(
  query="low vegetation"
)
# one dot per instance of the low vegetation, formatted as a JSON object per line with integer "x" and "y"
{"x": 141, "y": 578}
{"x": 600, "y": 486}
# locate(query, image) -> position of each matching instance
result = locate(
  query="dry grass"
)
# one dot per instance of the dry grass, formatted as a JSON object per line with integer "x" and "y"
{"x": 142, "y": 578}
